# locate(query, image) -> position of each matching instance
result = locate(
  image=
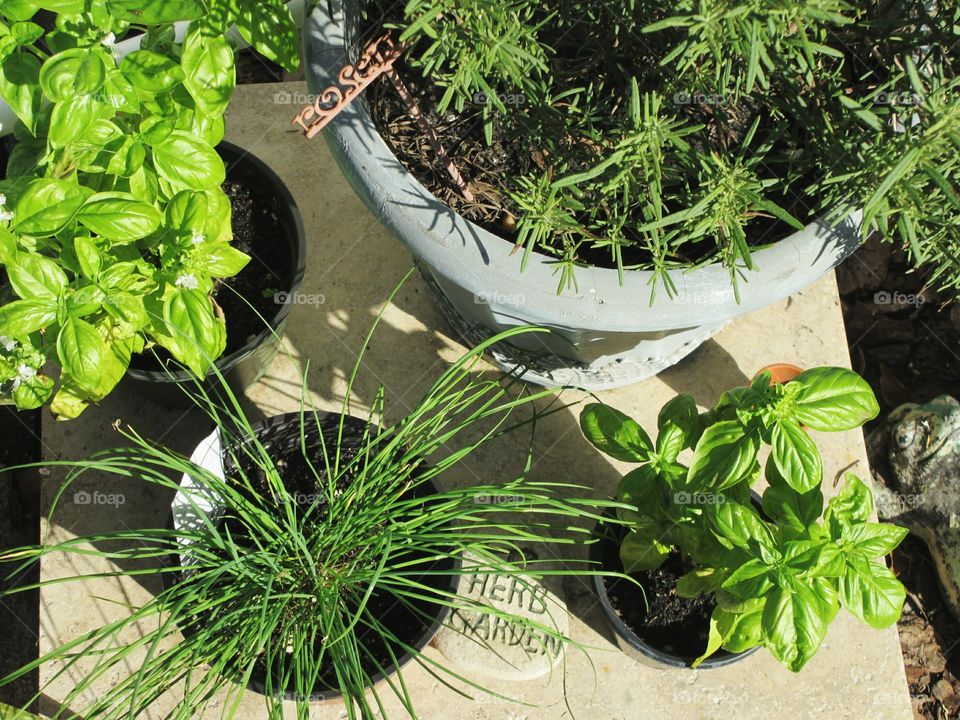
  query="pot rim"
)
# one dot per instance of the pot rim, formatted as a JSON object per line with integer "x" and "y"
{"x": 209, "y": 455}
{"x": 237, "y": 156}
{"x": 787, "y": 368}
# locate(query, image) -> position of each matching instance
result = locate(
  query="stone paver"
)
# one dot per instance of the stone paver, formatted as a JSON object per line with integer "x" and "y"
{"x": 353, "y": 265}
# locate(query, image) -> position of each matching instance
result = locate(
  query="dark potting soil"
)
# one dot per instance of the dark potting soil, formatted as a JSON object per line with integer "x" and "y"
{"x": 257, "y": 231}
{"x": 676, "y": 625}
{"x": 488, "y": 169}
{"x": 407, "y": 621}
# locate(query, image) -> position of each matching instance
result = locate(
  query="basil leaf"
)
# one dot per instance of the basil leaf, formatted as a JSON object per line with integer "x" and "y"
{"x": 802, "y": 555}
{"x": 269, "y": 27}
{"x": 826, "y": 590}
{"x": 20, "y": 10}
{"x": 873, "y": 539}
{"x": 699, "y": 581}
{"x": 71, "y": 73}
{"x": 8, "y": 245}
{"x": 614, "y": 433}
{"x": 119, "y": 93}
{"x": 20, "y": 87}
{"x": 156, "y": 12}
{"x": 22, "y": 317}
{"x": 640, "y": 487}
{"x": 151, "y": 71}
{"x": 71, "y": 120}
{"x": 208, "y": 62}
{"x": 35, "y": 276}
{"x": 80, "y": 351}
{"x": 871, "y": 592}
{"x": 796, "y": 456}
{"x": 670, "y": 442}
{"x": 129, "y": 309}
{"x": 787, "y": 507}
{"x": 26, "y": 157}
{"x": 69, "y": 401}
{"x": 121, "y": 217}
{"x": 24, "y": 33}
{"x": 96, "y": 149}
{"x": 740, "y": 631}
{"x": 831, "y": 563}
{"x": 220, "y": 260}
{"x": 116, "y": 360}
{"x": 724, "y": 455}
{"x": 217, "y": 227}
{"x": 682, "y": 411}
{"x": 794, "y": 625}
{"x": 33, "y": 392}
{"x": 199, "y": 336}
{"x": 128, "y": 158}
{"x": 852, "y": 505}
{"x": 834, "y": 398}
{"x": 186, "y": 211}
{"x": 753, "y": 579}
{"x": 85, "y": 300}
{"x": 155, "y": 130}
{"x": 639, "y": 552}
{"x": 731, "y": 603}
{"x": 738, "y": 524}
{"x": 143, "y": 183}
{"x": 205, "y": 169}
{"x": 66, "y": 7}
{"x": 714, "y": 640}
{"x": 209, "y": 128}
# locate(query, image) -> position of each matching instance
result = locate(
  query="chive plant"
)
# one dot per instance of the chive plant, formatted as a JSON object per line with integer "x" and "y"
{"x": 671, "y": 133}
{"x": 290, "y": 586}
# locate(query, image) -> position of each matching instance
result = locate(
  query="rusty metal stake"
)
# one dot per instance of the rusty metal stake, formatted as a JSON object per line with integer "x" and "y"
{"x": 429, "y": 132}
{"x": 377, "y": 59}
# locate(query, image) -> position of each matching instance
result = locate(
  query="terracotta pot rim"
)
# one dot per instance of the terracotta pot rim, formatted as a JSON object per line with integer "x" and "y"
{"x": 780, "y": 372}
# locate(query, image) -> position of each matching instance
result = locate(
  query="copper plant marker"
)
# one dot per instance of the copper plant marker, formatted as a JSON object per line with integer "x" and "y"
{"x": 377, "y": 59}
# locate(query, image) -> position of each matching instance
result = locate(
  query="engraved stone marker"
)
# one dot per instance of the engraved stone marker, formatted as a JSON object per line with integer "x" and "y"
{"x": 501, "y": 648}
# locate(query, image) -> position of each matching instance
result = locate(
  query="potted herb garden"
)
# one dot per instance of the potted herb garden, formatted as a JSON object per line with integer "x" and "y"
{"x": 721, "y": 570}
{"x": 641, "y": 172}
{"x": 130, "y": 235}
{"x": 312, "y": 555}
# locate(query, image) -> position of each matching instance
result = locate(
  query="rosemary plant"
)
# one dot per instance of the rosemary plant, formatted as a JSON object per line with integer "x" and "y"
{"x": 289, "y": 586}
{"x": 670, "y": 134}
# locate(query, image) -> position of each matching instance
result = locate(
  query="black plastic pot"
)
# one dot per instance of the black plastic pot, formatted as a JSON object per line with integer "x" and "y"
{"x": 246, "y": 365}
{"x": 282, "y": 432}
{"x": 627, "y": 640}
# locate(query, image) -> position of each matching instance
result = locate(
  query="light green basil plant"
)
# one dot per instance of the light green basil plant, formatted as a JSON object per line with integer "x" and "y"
{"x": 114, "y": 229}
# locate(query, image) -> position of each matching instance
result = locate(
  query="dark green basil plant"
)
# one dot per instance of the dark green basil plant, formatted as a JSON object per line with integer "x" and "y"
{"x": 779, "y": 573}
{"x": 114, "y": 229}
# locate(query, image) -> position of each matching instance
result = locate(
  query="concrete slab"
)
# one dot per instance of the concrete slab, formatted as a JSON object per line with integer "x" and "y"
{"x": 352, "y": 267}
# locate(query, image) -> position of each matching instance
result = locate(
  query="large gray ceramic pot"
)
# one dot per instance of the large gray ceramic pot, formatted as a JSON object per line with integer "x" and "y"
{"x": 607, "y": 334}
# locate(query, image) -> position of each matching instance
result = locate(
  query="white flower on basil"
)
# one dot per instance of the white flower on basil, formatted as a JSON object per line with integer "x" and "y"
{"x": 7, "y": 343}
{"x": 187, "y": 281}
{"x": 5, "y": 215}
{"x": 197, "y": 237}
{"x": 25, "y": 373}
